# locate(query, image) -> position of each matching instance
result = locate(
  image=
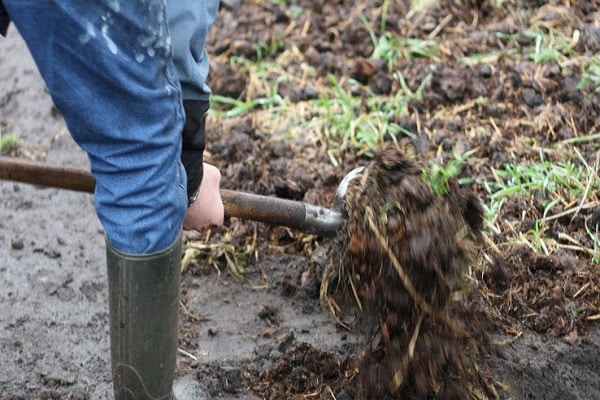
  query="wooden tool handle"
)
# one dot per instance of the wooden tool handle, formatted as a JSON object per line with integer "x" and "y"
{"x": 38, "y": 173}
{"x": 266, "y": 209}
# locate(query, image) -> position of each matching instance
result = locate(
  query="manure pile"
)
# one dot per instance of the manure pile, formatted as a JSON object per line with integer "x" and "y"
{"x": 401, "y": 261}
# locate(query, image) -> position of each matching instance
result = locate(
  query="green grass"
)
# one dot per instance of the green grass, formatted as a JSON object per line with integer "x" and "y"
{"x": 235, "y": 108}
{"x": 392, "y": 48}
{"x": 554, "y": 190}
{"x": 366, "y": 124}
{"x": 591, "y": 75}
{"x": 594, "y": 234}
{"x": 438, "y": 175}
{"x": 546, "y": 46}
{"x": 554, "y": 180}
{"x": 8, "y": 142}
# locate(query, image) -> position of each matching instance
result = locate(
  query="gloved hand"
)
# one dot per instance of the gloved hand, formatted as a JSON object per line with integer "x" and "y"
{"x": 207, "y": 208}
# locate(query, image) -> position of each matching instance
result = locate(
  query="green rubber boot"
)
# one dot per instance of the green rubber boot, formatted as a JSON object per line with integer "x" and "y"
{"x": 143, "y": 304}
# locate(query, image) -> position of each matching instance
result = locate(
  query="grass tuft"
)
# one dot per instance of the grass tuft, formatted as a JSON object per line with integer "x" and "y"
{"x": 8, "y": 142}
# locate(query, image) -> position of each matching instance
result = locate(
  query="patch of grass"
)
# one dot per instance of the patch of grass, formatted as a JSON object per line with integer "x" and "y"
{"x": 365, "y": 123}
{"x": 552, "y": 46}
{"x": 235, "y": 107}
{"x": 341, "y": 118}
{"x": 438, "y": 175}
{"x": 594, "y": 234}
{"x": 554, "y": 190}
{"x": 591, "y": 75}
{"x": 262, "y": 90}
{"x": 547, "y": 46}
{"x": 486, "y": 58}
{"x": 391, "y": 48}
{"x": 420, "y": 6}
{"x": 563, "y": 180}
{"x": 265, "y": 50}
{"x": 337, "y": 117}
{"x": 8, "y": 142}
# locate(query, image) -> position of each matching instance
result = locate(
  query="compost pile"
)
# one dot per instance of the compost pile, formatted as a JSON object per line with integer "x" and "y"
{"x": 401, "y": 258}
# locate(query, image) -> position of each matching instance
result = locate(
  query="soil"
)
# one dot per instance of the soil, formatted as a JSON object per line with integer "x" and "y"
{"x": 252, "y": 320}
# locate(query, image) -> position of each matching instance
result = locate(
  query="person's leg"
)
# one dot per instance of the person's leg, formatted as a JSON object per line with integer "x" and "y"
{"x": 108, "y": 68}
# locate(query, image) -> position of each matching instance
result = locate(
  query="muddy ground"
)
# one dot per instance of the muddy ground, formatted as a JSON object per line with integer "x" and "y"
{"x": 261, "y": 332}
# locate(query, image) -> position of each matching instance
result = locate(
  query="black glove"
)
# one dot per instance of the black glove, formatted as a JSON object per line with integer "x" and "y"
{"x": 193, "y": 137}
{"x": 4, "y": 20}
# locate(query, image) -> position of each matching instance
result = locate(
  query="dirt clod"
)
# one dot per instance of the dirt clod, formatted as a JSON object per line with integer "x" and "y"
{"x": 402, "y": 256}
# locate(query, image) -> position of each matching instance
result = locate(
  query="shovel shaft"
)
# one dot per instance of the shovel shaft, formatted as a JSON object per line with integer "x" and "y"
{"x": 275, "y": 211}
{"x": 38, "y": 173}
{"x": 267, "y": 209}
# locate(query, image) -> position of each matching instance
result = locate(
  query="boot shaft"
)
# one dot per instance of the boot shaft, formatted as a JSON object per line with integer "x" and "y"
{"x": 143, "y": 306}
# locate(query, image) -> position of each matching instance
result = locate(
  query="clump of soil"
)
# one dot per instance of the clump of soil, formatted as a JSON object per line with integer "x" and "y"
{"x": 401, "y": 258}
{"x": 305, "y": 369}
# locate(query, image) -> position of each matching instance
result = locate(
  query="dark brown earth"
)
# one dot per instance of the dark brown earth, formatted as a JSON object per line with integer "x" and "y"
{"x": 401, "y": 256}
{"x": 261, "y": 331}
